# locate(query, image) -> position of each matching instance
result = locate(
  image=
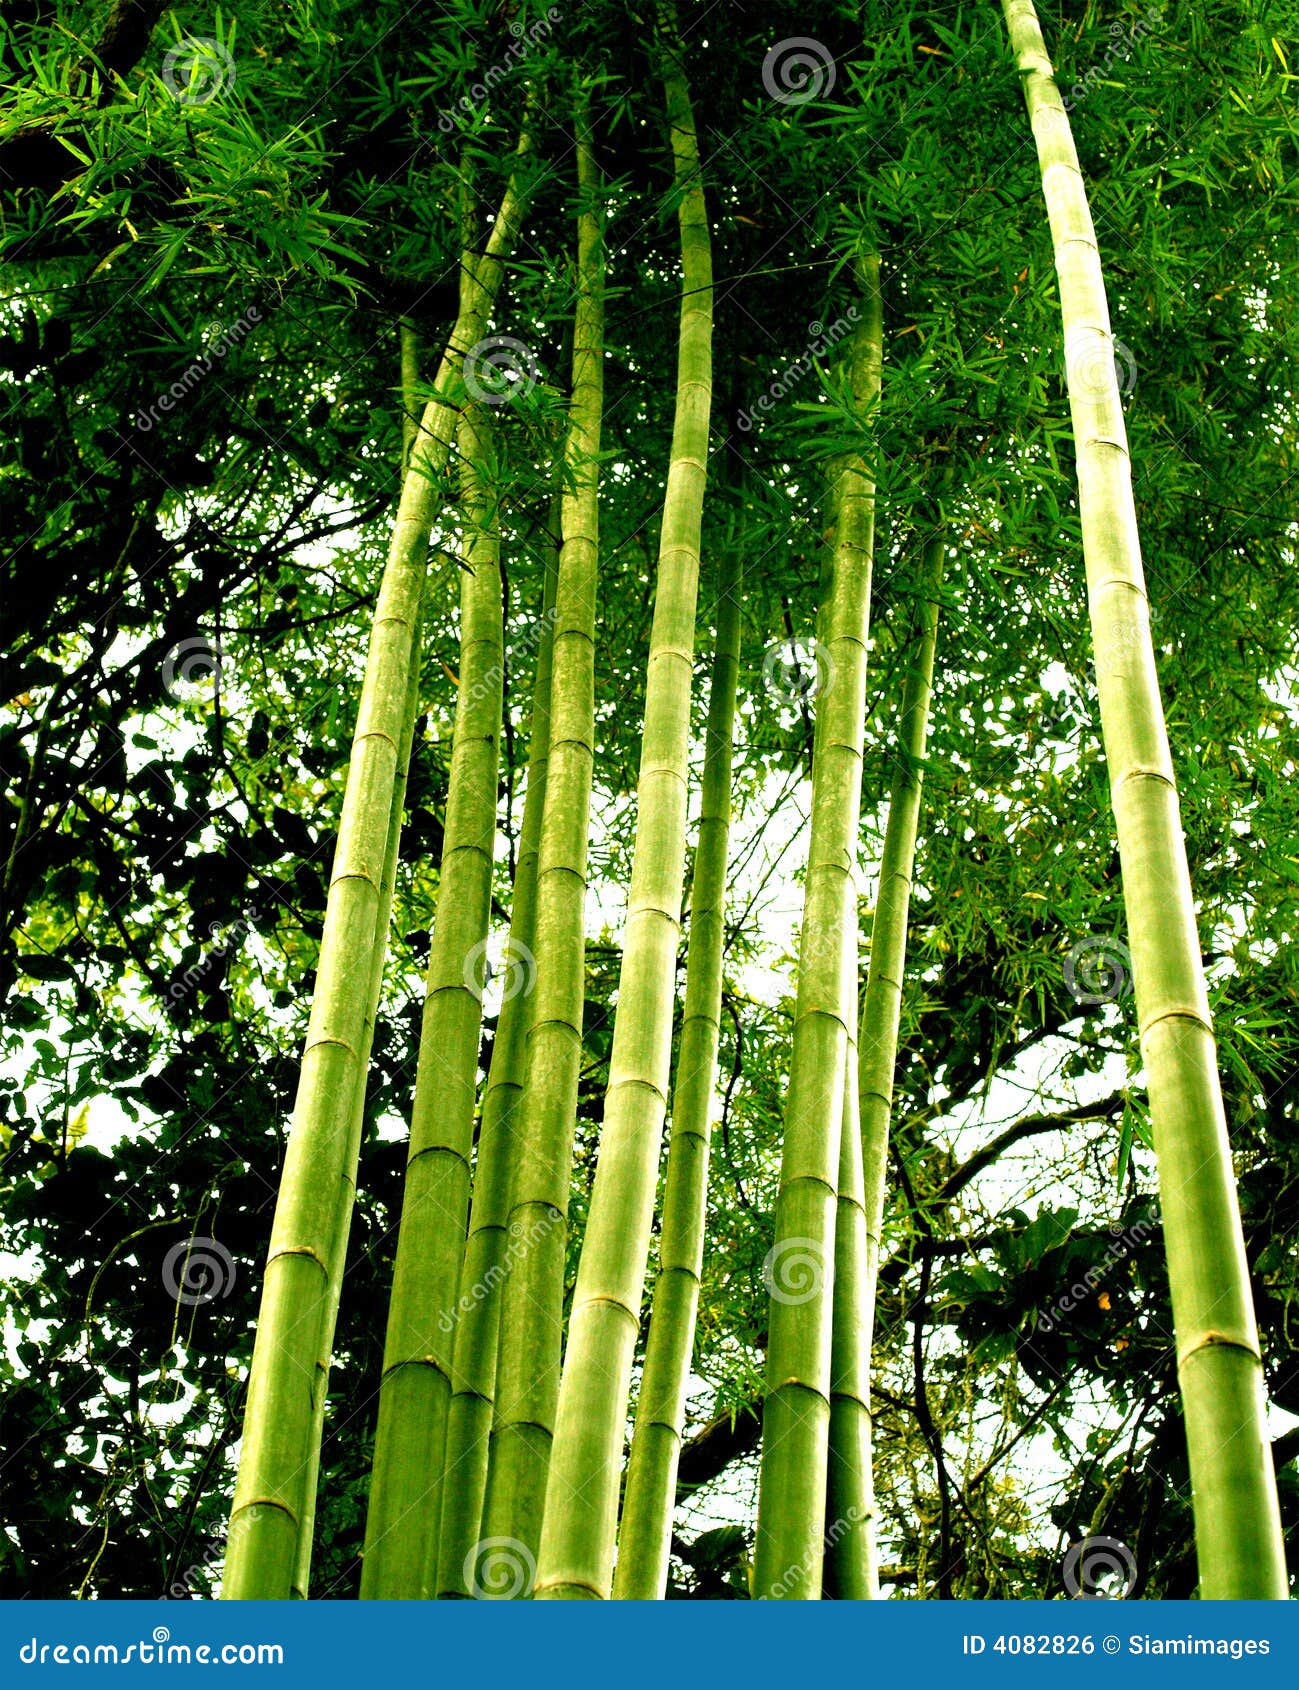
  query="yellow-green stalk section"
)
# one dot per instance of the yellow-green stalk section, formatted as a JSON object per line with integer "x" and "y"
{"x": 487, "y": 1257}
{"x": 405, "y": 1482}
{"x": 850, "y": 1573}
{"x": 1237, "y": 1523}
{"x": 278, "y": 1460}
{"x": 875, "y": 1060}
{"x": 645, "y": 1530}
{"x": 347, "y": 1193}
{"x": 800, "y": 1269}
{"x": 581, "y": 1508}
{"x": 532, "y": 1297}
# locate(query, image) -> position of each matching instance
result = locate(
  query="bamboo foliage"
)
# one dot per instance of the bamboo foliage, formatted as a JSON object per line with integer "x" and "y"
{"x": 645, "y": 1530}
{"x": 577, "y": 1543}
{"x": 531, "y": 1308}
{"x": 796, "y": 1415}
{"x": 473, "y": 1377}
{"x": 1237, "y": 1524}
{"x": 308, "y": 1247}
{"x": 405, "y": 1489}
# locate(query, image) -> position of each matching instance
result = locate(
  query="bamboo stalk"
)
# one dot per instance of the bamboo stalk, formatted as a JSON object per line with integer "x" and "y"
{"x": 347, "y": 1189}
{"x": 796, "y": 1414}
{"x": 532, "y": 1296}
{"x": 410, "y": 415}
{"x": 1237, "y": 1523}
{"x": 405, "y": 1487}
{"x": 277, "y": 1461}
{"x": 851, "y": 1567}
{"x": 645, "y": 1531}
{"x": 486, "y": 1261}
{"x": 577, "y": 1540}
{"x": 850, "y": 1572}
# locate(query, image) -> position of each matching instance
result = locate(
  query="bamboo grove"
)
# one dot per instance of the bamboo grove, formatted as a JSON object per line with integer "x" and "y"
{"x": 668, "y": 449}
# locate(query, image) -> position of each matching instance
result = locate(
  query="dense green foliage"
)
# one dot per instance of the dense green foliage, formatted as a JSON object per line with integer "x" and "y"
{"x": 204, "y": 265}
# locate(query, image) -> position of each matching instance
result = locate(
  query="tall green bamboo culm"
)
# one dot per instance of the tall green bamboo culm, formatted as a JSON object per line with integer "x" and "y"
{"x": 405, "y": 1483}
{"x": 277, "y": 1461}
{"x": 1237, "y": 1524}
{"x": 800, "y": 1268}
{"x": 410, "y": 410}
{"x": 849, "y": 1573}
{"x": 851, "y": 1566}
{"x": 532, "y": 1296}
{"x": 646, "y": 1526}
{"x": 347, "y": 1197}
{"x": 577, "y": 1541}
{"x": 473, "y": 1372}
{"x": 347, "y": 1194}
{"x": 881, "y": 1009}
